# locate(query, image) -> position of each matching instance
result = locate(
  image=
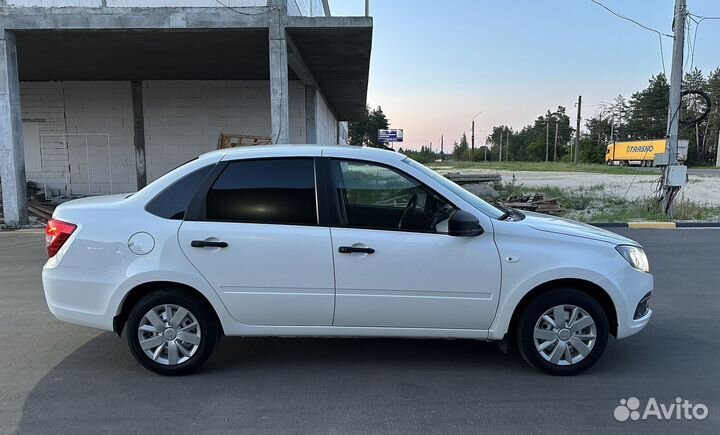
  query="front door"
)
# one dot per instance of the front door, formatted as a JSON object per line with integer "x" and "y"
{"x": 260, "y": 246}
{"x": 395, "y": 264}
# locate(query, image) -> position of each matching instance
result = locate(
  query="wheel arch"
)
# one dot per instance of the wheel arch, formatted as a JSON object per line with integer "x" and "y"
{"x": 137, "y": 292}
{"x": 591, "y": 289}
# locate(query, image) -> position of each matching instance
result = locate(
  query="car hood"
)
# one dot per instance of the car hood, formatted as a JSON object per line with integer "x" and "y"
{"x": 553, "y": 224}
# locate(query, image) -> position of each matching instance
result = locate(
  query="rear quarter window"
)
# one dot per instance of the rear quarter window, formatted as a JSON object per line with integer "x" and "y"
{"x": 173, "y": 201}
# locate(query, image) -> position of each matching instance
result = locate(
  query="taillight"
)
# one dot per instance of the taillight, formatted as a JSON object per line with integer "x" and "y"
{"x": 56, "y": 234}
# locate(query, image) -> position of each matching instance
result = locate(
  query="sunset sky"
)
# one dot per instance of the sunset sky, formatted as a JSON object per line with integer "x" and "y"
{"x": 435, "y": 64}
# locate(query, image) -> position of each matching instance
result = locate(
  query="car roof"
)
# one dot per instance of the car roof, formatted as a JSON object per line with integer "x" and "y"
{"x": 342, "y": 151}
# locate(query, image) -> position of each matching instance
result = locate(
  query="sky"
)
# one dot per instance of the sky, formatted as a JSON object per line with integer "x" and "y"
{"x": 436, "y": 64}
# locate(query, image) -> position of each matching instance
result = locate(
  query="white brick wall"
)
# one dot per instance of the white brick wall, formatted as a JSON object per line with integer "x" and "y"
{"x": 182, "y": 120}
{"x": 137, "y": 3}
{"x": 185, "y": 118}
{"x": 42, "y": 102}
{"x": 68, "y": 113}
{"x": 326, "y": 123}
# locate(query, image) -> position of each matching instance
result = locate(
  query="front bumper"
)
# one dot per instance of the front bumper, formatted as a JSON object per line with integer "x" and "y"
{"x": 629, "y": 288}
{"x": 79, "y": 296}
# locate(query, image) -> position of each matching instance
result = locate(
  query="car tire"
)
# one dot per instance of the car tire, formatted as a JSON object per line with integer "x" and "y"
{"x": 188, "y": 337}
{"x": 570, "y": 346}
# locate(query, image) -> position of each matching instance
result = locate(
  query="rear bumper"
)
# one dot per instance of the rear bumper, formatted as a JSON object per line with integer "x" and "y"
{"x": 628, "y": 287}
{"x": 81, "y": 296}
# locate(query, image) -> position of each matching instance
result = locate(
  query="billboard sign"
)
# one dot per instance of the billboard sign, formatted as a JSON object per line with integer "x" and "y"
{"x": 391, "y": 135}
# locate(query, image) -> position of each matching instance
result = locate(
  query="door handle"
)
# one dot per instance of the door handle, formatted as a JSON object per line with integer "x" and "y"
{"x": 351, "y": 249}
{"x": 208, "y": 244}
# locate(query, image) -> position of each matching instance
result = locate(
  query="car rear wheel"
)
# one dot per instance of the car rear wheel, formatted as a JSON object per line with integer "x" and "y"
{"x": 171, "y": 333}
{"x": 562, "y": 332}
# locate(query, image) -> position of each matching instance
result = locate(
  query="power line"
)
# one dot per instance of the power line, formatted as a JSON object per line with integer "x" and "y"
{"x": 659, "y": 33}
{"x": 630, "y": 19}
{"x": 703, "y": 18}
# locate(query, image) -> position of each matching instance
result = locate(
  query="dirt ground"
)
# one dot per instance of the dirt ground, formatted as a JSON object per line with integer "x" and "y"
{"x": 702, "y": 189}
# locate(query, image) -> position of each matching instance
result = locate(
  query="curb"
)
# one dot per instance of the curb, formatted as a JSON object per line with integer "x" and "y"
{"x": 656, "y": 225}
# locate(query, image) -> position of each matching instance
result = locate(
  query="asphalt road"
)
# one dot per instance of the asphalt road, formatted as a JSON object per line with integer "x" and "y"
{"x": 61, "y": 379}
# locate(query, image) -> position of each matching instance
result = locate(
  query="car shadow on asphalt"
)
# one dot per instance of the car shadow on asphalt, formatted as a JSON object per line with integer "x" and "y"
{"x": 279, "y": 385}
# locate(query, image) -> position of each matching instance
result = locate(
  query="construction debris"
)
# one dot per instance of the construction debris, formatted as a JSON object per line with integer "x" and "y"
{"x": 534, "y": 202}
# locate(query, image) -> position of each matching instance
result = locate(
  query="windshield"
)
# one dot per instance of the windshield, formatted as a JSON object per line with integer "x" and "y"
{"x": 468, "y": 197}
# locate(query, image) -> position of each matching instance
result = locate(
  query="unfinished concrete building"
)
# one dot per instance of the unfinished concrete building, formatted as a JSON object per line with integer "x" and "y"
{"x": 103, "y": 96}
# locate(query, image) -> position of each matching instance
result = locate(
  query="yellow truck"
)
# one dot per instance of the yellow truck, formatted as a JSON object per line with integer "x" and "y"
{"x": 640, "y": 152}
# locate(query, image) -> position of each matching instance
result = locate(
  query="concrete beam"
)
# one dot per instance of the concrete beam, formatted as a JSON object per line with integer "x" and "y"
{"x": 328, "y": 22}
{"x": 139, "y": 132}
{"x": 12, "y": 158}
{"x": 279, "y": 98}
{"x": 311, "y": 98}
{"x": 29, "y": 18}
{"x": 297, "y": 64}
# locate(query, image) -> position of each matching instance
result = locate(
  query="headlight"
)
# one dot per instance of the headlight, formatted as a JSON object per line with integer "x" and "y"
{"x": 635, "y": 256}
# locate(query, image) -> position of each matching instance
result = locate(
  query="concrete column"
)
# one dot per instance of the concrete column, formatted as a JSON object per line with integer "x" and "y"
{"x": 311, "y": 97}
{"x": 12, "y": 158}
{"x": 279, "y": 110}
{"x": 139, "y": 132}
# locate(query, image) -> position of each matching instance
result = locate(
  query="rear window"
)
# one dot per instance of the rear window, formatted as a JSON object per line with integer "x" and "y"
{"x": 172, "y": 202}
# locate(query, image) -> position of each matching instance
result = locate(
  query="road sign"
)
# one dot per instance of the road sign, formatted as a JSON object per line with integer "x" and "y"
{"x": 391, "y": 135}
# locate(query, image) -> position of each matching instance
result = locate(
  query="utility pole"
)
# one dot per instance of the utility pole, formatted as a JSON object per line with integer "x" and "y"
{"x": 501, "y": 145}
{"x": 555, "y": 146}
{"x": 442, "y": 148}
{"x": 367, "y": 8}
{"x": 472, "y": 140}
{"x": 577, "y": 133}
{"x": 547, "y": 139}
{"x": 717, "y": 150}
{"x": 669, "y": 186}
{"x": 507, "y": 140}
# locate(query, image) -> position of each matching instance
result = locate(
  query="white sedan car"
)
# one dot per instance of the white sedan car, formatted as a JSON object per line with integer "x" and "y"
{"x": 336, "y": 241}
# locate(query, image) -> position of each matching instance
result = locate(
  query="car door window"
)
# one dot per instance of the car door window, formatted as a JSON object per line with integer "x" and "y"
{"x": 378, "y": 197}
{"x": 274, "y": 191}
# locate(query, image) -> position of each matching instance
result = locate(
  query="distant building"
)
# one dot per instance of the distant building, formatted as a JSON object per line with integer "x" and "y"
{"x": 103, "y": 96}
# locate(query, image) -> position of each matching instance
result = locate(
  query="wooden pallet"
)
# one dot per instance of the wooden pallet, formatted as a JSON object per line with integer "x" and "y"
{"x": 227, "y": 140}
{"x": 536, "y": 203}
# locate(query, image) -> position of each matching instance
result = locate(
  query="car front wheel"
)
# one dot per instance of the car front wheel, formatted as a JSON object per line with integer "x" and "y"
{"x": 171, "y": 333}
{"x": 562, "y": 332}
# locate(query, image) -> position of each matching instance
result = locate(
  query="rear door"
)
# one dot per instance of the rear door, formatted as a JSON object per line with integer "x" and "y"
{"x": 255, "y": 236}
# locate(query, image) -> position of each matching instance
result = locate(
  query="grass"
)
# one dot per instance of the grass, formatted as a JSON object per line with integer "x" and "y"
{"x": 594, "y": 204}
{"x": 542, "y": 166}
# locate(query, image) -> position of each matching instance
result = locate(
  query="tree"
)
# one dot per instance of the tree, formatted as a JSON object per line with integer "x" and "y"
{"x": 461, "y": 150}
{"x": 425, "y": 155}
{"x": 364, "y": 131}
{"x": 649, "y": 110}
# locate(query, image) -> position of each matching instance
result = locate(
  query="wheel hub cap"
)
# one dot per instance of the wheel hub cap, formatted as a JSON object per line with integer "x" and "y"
{"x": 565, "y": 335}
{"x": 169, "y": 334}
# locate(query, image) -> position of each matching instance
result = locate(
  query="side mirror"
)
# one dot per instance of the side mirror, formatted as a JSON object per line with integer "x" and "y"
{"x": 464, "y": 224}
